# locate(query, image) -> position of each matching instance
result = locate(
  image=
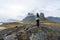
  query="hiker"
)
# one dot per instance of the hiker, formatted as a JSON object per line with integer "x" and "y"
{"x": 37, "y": 20}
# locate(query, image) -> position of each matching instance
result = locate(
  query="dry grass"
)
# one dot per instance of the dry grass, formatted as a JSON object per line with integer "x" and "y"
{"x": 45, "y": 23}
{"x": 12, "y": 24}
{"x": 50, "y": 23}
{"x": 31, "y": 23}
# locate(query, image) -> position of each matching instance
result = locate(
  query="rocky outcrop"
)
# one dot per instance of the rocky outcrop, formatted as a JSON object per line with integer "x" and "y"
{"x": 10, "y": 37}
{"x": 29, "y": 17}
{"x": 42, "y": 17}
{"x": 40, "y": 35}
{"x": 32, "y": 17}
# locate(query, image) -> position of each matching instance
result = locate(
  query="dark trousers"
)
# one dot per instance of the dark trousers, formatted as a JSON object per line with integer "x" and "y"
{"x": 37, "y": 23}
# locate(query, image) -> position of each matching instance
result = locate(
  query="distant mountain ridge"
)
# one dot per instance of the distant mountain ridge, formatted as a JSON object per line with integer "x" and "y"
{"x": 54, "y": 19}
{"x": 31, "y": 17}
{"x": 9, "y": 20}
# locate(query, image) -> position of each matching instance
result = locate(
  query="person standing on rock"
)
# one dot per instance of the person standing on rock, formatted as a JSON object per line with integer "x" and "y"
{"x": 37, "y": 20}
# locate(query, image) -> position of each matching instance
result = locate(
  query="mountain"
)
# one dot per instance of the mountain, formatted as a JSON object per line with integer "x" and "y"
{"x": 42, "y": 17}
{"x": 29, "y": 17}
{"x": 8, "y": 20}
{"x": 54, "y": 19}
{"x": 13, "y": 20}
{"x": 32, "y": 17}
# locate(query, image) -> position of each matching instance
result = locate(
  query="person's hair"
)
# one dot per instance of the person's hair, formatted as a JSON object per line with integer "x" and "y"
{"x": 37, "y": 15}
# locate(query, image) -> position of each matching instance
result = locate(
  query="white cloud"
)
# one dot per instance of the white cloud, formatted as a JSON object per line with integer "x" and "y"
{"x": 14, "y": 8}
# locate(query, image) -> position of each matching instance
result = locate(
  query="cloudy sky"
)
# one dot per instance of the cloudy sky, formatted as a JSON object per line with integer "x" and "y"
{"x": 19, "y": 8}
